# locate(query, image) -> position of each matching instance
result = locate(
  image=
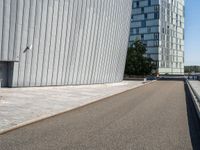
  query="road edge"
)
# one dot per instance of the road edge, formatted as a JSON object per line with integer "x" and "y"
{"x": 195, "y": 97}
{"x": 32, "y": 121}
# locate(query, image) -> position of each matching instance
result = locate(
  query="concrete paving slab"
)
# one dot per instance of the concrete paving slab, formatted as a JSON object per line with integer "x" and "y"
{"x": 21, "y": 106}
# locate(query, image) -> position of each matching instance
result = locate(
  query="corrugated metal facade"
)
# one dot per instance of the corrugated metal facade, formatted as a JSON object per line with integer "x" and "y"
{"x": 73, "y": 41}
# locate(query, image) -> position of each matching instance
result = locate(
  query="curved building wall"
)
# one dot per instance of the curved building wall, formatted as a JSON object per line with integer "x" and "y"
{"x": 64, "y": 42}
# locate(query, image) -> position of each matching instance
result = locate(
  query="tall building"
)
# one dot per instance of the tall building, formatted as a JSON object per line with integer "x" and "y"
{"x": 63, "y": 42}
{"x": 160, "y": 25}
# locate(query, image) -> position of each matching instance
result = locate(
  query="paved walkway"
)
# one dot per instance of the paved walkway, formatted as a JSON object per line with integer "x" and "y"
{"x": 19, "y": 106}
{"x": 159, "y": 116}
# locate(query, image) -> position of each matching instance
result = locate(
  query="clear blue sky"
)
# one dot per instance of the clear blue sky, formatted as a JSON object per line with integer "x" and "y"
{"x": 192, "y": 32}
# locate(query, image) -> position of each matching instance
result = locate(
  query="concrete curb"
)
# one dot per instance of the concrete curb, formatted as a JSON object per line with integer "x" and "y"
{"x": 195, "y": 98}
{"x": 96, "y": 99}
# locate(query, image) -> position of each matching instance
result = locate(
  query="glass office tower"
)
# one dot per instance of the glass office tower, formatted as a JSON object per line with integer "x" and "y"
{"x": 160, "y": 25}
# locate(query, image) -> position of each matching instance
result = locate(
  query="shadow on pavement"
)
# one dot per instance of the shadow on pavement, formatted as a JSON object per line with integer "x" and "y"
{"x": 171, "y": 78}
{"x": 193, "y": 121}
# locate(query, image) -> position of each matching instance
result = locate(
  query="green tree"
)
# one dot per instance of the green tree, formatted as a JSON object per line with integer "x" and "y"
{"x": 190, "y": 69}
{"x": 137, "y": 63}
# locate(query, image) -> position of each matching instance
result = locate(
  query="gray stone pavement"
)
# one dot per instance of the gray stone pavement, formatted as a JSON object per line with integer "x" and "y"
{"x": 19, "y": 106}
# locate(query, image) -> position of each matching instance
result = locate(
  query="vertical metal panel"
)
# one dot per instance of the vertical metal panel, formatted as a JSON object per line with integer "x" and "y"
{"x": 47, "y": 42}
{"x": 79, "y": 42}
{"x": 12, "y": 28}
{"x": 98, "y": 53}
{"x": 73, "y": 41}
{"x": 82, "y": 46}
{"x": 119, "y": 55}
{"x": 67, "y": 41}
{"x": 63, "y": 42}
{"x": 102, "y": 40}
{"x": 5, "y": 34}
{"x": 30, "y": 38}
{"x": 52, "y": 42}
{"x": 87, "y": 42}
{"x": 117, "y": 35}
{"x": 58, "y": 42}
{"x": 17, "y": 43}
{"x": 1, "y": 24}
{"x": 116, "y": 40}
{"x": 93, "y": 41}
{"x": 111, "y": 42}
{"x": 96, "y": 41}
{"x": 42, "y": 40}
{"x": 108, "y": 43}
{"x": 102, "y": 24}
{"x": 85, "y": 49}
{"x": 86, "y": 39}
{"x": 24, "y": 37}
{"x": 35, "y": 51}
{"x": 105, "y": 40}
{"x": 90, "y": 48}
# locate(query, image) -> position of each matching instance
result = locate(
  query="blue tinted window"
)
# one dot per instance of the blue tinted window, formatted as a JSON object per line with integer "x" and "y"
{"x": 149, "y": 2}
{"x": 143, "y": 23}
{"x": 156, "y": 15}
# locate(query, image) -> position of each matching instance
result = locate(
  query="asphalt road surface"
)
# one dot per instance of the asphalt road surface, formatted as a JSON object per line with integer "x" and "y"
{"x": 158, "y": 116}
